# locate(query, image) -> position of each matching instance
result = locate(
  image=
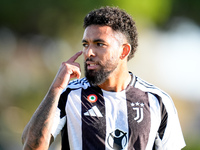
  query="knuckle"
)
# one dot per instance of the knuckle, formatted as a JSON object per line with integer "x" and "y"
{"x": 65, "y": 64}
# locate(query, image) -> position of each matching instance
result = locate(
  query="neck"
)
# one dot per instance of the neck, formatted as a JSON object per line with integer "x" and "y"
{"x": 117, "y": 81}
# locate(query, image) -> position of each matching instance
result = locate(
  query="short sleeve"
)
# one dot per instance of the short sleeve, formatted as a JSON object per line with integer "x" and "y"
{"x": 58, "y": 123}
{"x": 172, "y": 137}
{"x": 60, "y": 115}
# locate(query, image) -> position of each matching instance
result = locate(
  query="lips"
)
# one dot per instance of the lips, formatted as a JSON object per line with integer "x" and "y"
{"x": 92, "y": 65}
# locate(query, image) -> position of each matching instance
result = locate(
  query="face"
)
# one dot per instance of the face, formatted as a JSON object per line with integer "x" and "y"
{"x": 101, "y": 48}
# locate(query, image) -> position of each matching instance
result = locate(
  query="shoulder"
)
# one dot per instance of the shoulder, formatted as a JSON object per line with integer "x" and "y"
{"x": 160, "y": 95}
{"x": 73, "y": 85}
{"x": 170, "y": 129}
{"x": 78, "y": 83}
{"x": 148, "y": 87}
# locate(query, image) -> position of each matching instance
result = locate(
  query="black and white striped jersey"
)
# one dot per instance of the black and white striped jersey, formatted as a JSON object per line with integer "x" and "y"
{"x": 142, "y": 117}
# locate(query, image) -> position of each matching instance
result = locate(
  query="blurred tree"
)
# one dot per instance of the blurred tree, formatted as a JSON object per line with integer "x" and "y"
{"x": 49, "y": 17}
{"x": 155, "y": 11}
{"x": 188, "y": 9}
{"x": 45, "y": 16}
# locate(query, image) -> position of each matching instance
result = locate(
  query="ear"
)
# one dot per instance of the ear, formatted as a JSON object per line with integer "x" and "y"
{"x": 126, "y": 50}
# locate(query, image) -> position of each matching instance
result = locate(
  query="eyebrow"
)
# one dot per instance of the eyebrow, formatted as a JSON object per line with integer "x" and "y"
{"x": 84, "y": 41}
{"x": 95, "y": 41}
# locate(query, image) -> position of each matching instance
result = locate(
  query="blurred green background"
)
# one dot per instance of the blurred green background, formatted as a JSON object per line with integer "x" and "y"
{"x": 37, "y": 35}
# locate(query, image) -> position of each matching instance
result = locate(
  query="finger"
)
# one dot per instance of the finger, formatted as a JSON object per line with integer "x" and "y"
{"x": 70, "y": 66}
{"x": 73, "y": 58}
{"x": 76, "y": 64}
{"x": 76, "y": 73}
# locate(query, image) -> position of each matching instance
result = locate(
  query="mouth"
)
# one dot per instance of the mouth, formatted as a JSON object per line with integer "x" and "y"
{"x": 92, "y": 65}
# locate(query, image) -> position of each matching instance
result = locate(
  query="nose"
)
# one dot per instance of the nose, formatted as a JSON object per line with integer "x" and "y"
{"x": 89, "y": 52}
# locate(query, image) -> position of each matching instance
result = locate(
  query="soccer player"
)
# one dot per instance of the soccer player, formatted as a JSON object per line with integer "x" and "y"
{"x": 110, "y": 108}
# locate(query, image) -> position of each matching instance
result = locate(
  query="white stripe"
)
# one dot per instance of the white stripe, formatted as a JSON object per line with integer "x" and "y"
{"x": 155, "y": 120}
{"x": 116, "y": 114}
{"x": 74, "y": 124}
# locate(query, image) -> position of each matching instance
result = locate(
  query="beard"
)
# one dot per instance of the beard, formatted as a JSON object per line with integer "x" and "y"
{"x": 97, "y": 77}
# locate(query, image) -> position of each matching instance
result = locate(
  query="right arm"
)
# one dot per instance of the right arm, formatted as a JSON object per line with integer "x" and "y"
{"x": 36, "y": 134}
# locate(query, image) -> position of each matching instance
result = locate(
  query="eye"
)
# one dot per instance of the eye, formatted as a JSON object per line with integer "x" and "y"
{"x": 85, "y": 45}
{"x": 100, "y": 44}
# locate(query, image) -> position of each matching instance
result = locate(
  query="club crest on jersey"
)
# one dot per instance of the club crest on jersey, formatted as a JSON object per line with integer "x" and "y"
{"x": 92, "y": 98}
{"x": 117, "y": 139}
{"x": 138, "y": 107}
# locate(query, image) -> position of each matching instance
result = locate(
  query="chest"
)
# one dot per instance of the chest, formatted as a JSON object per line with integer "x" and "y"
{"x": 110, "y": 118}
{"x": 127, "y": 110}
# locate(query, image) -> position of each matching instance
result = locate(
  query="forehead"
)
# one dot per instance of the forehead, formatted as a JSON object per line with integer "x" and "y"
{"x": 101, "y": 32}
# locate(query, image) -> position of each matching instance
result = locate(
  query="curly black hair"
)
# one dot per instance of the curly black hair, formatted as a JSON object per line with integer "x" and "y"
{"x": 118, "y": 20}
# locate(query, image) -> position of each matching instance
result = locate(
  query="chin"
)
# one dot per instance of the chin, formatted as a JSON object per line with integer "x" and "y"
{"x": 96, "y": 77}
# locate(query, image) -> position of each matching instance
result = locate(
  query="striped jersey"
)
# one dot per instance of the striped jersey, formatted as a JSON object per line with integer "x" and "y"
{"x": 141, "y": 117}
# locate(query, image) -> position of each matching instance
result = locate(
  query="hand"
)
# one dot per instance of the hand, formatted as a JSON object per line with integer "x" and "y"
{"x": 69, "y": 69}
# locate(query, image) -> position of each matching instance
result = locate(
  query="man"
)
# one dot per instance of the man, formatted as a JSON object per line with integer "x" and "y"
{"x": 110, "y": 108}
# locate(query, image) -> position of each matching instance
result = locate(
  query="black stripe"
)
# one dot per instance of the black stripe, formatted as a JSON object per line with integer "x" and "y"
{"x": 138, "y": 131}
{"x": 164, "y": 117}
{"x": 93, "y": 128}
{"x": 65, "y": 140}
{"x": 61, "y": 105}
{"x": 62, "y": 102}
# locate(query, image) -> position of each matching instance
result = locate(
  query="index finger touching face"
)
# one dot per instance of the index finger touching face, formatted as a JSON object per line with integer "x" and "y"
{"x": 73, "y": 58}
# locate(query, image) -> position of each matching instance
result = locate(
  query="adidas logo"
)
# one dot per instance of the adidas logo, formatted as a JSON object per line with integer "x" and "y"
{"x": 93, "y": 112}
